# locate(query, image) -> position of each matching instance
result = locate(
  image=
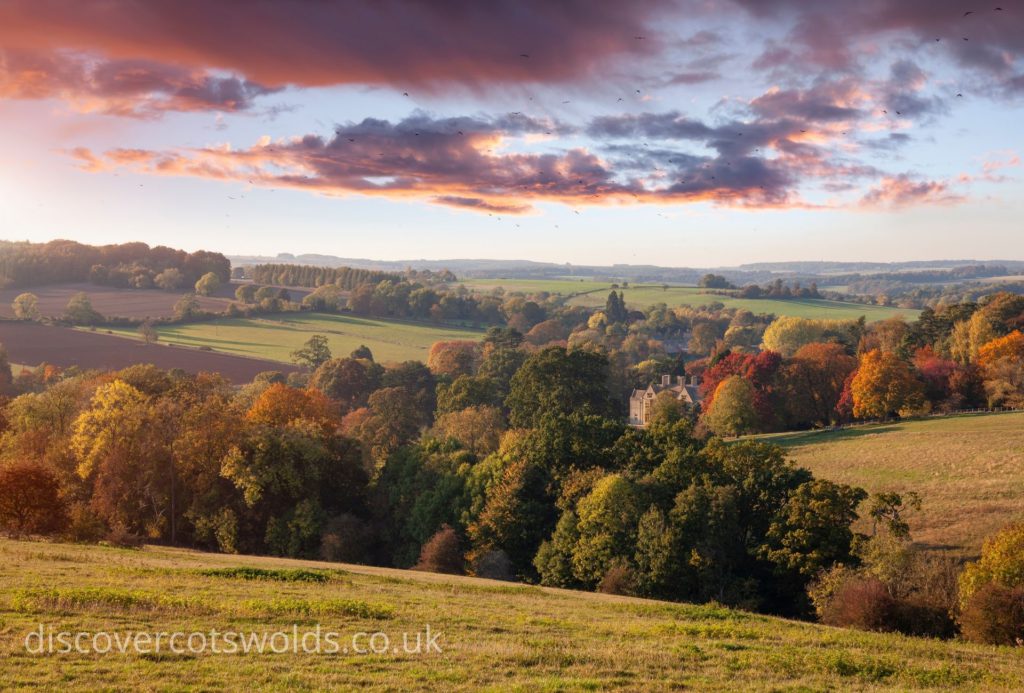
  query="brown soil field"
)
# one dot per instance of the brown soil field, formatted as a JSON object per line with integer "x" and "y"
{"x": 110, "y": 301}
{"x": 32, "y": 344}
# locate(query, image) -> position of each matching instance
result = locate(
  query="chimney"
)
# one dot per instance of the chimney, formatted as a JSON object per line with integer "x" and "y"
{"x": 666, "y": 380}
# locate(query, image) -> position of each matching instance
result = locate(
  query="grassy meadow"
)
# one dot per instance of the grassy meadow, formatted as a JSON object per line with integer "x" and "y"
{"x": 492, "y": 636}
{"x": 968, "y": 469}
{"x": 276, "y": 337}
{"x": 592, "y": 294}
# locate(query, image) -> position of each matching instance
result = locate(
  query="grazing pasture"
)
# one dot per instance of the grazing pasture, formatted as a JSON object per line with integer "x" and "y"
{"x": 32, "y": 344}
{"x": 276, "y": 337}
{"x": 492, "y": 635}
{"x": 968, "y": 469}
{"x": 592, "y": 294}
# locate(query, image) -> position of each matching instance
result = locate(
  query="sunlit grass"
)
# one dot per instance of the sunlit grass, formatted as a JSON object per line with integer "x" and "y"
{"x": 495, "y": 636}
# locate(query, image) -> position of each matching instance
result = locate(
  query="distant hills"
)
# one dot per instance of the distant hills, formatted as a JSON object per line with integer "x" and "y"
{"x": 741, "y": 274}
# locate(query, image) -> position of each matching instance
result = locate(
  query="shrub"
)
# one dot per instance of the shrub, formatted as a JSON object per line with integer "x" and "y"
{"x": 994, "y": 615}
{"x": 345, "y": 539}
{"x": 120, "y": 536}
{"x": 860, "y": 602}
{"x": 618, "y": 579}
{"x": 84, "y": 524}
{"x": 442, "y": 553}
{"x": 1001, "y": 562}
{"x": 495, "y": 565}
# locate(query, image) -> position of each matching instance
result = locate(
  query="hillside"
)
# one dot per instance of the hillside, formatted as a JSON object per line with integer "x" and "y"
{"x": 968, "y": 469}
{"x": 491, "y": 635}
{"x": 275, "y": 337}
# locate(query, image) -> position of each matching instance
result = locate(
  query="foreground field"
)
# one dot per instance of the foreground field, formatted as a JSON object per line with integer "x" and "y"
{"x": 32, "y": 344}
{"x": 491, "y": 635}
{"x": 276, "y": 337}
{"x": 968, "y": 469}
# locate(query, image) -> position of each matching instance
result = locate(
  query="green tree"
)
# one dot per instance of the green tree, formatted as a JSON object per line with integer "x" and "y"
{"x": 246, "y": 293}
{"x": 26, "y": 307}
{"x": 1001, "y": 563}
{"x": 553, "y": 561}
{"x": 607, "y": 528}
{"x": 208, "y": 284}
{"x": 187, "y": 307}
{"x": 555, "y": 381}
{"x": 170, "y": 279}
{"x": 80, "y": 311}
{"x": 314, "y": 353}
{"x": 732, "y": 411}
{"x": 347, "y": 381}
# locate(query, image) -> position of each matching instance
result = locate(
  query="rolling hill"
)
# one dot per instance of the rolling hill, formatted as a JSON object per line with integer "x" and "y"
{"x": 491, "y": 635}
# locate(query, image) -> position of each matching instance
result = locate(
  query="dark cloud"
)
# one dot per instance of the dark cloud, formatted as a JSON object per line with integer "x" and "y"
{"x": 407, "y": 43}
{"x": 122, "y": 87}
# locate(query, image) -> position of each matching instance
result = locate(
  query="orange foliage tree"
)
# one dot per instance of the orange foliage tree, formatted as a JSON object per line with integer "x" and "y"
{"x": 1002, "y": 362}
{"x": 885, "y": 386}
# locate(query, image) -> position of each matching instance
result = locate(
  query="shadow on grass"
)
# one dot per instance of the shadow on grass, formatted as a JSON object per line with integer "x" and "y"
{"x": 825, "y": 436}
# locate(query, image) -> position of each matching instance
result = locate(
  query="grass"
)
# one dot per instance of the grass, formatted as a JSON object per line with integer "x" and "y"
{"x": 276, "y": 337}
{"x": 593, "y": 294}
{"x": 493, "y": 636}
{"x": 968, "y": 469}
{"x": 641, "y": 297}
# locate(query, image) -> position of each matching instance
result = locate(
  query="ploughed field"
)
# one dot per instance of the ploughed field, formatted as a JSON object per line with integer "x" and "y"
{"x": 275, "y": 337}
{"x": 491, "y": 635}
{"x": 32, "y": 344}
{"x": 968, "y": 469}
{"x": 110, "y": 301}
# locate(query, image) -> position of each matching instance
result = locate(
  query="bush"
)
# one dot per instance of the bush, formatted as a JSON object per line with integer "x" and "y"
{"x": 442, "y": 553}
{"x": 345, "y": 539}
{"x": 857, "y": 600}
{"x": 84, "y": 524}
{"x": 994, "y": 615}
{"x": 121, "y": 537}
{"x": 618, "y": 579}
{"x": 860, "y": 602}
{"x": 495, "y": 565}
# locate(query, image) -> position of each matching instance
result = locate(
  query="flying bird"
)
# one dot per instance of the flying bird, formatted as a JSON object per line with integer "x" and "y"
{"x": 524, "y": 55}
{"x": 405, "y": 93}
{"x": 967, "y": 13}
{"x": 959, "y": 96}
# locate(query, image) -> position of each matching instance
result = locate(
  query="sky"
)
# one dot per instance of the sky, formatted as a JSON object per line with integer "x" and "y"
{"x": 667, "y": 132}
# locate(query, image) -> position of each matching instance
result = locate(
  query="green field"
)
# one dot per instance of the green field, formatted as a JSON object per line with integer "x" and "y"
{"x": 641, "y": 297}
{"x": 593, "y": 294}
{"x": 492, "y": 636}
{"x": 275, "y": 337}
{"x": 532, "y": 286}
{"x": 968, "y": 469}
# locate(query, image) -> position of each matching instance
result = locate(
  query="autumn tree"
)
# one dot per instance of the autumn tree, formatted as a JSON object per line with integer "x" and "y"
{"x": 30, "y": 500}
{"x": 207, "y": 284}
{"x": 26, "y": 307}
{"x": 453, "y": 358}
{"x": 170, "y": 279}
{"x": 811, "y": 383}
{"x": 885, "y": 386}
{"x": 1002, "y": 362}
{"x": 478, "y": 429}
